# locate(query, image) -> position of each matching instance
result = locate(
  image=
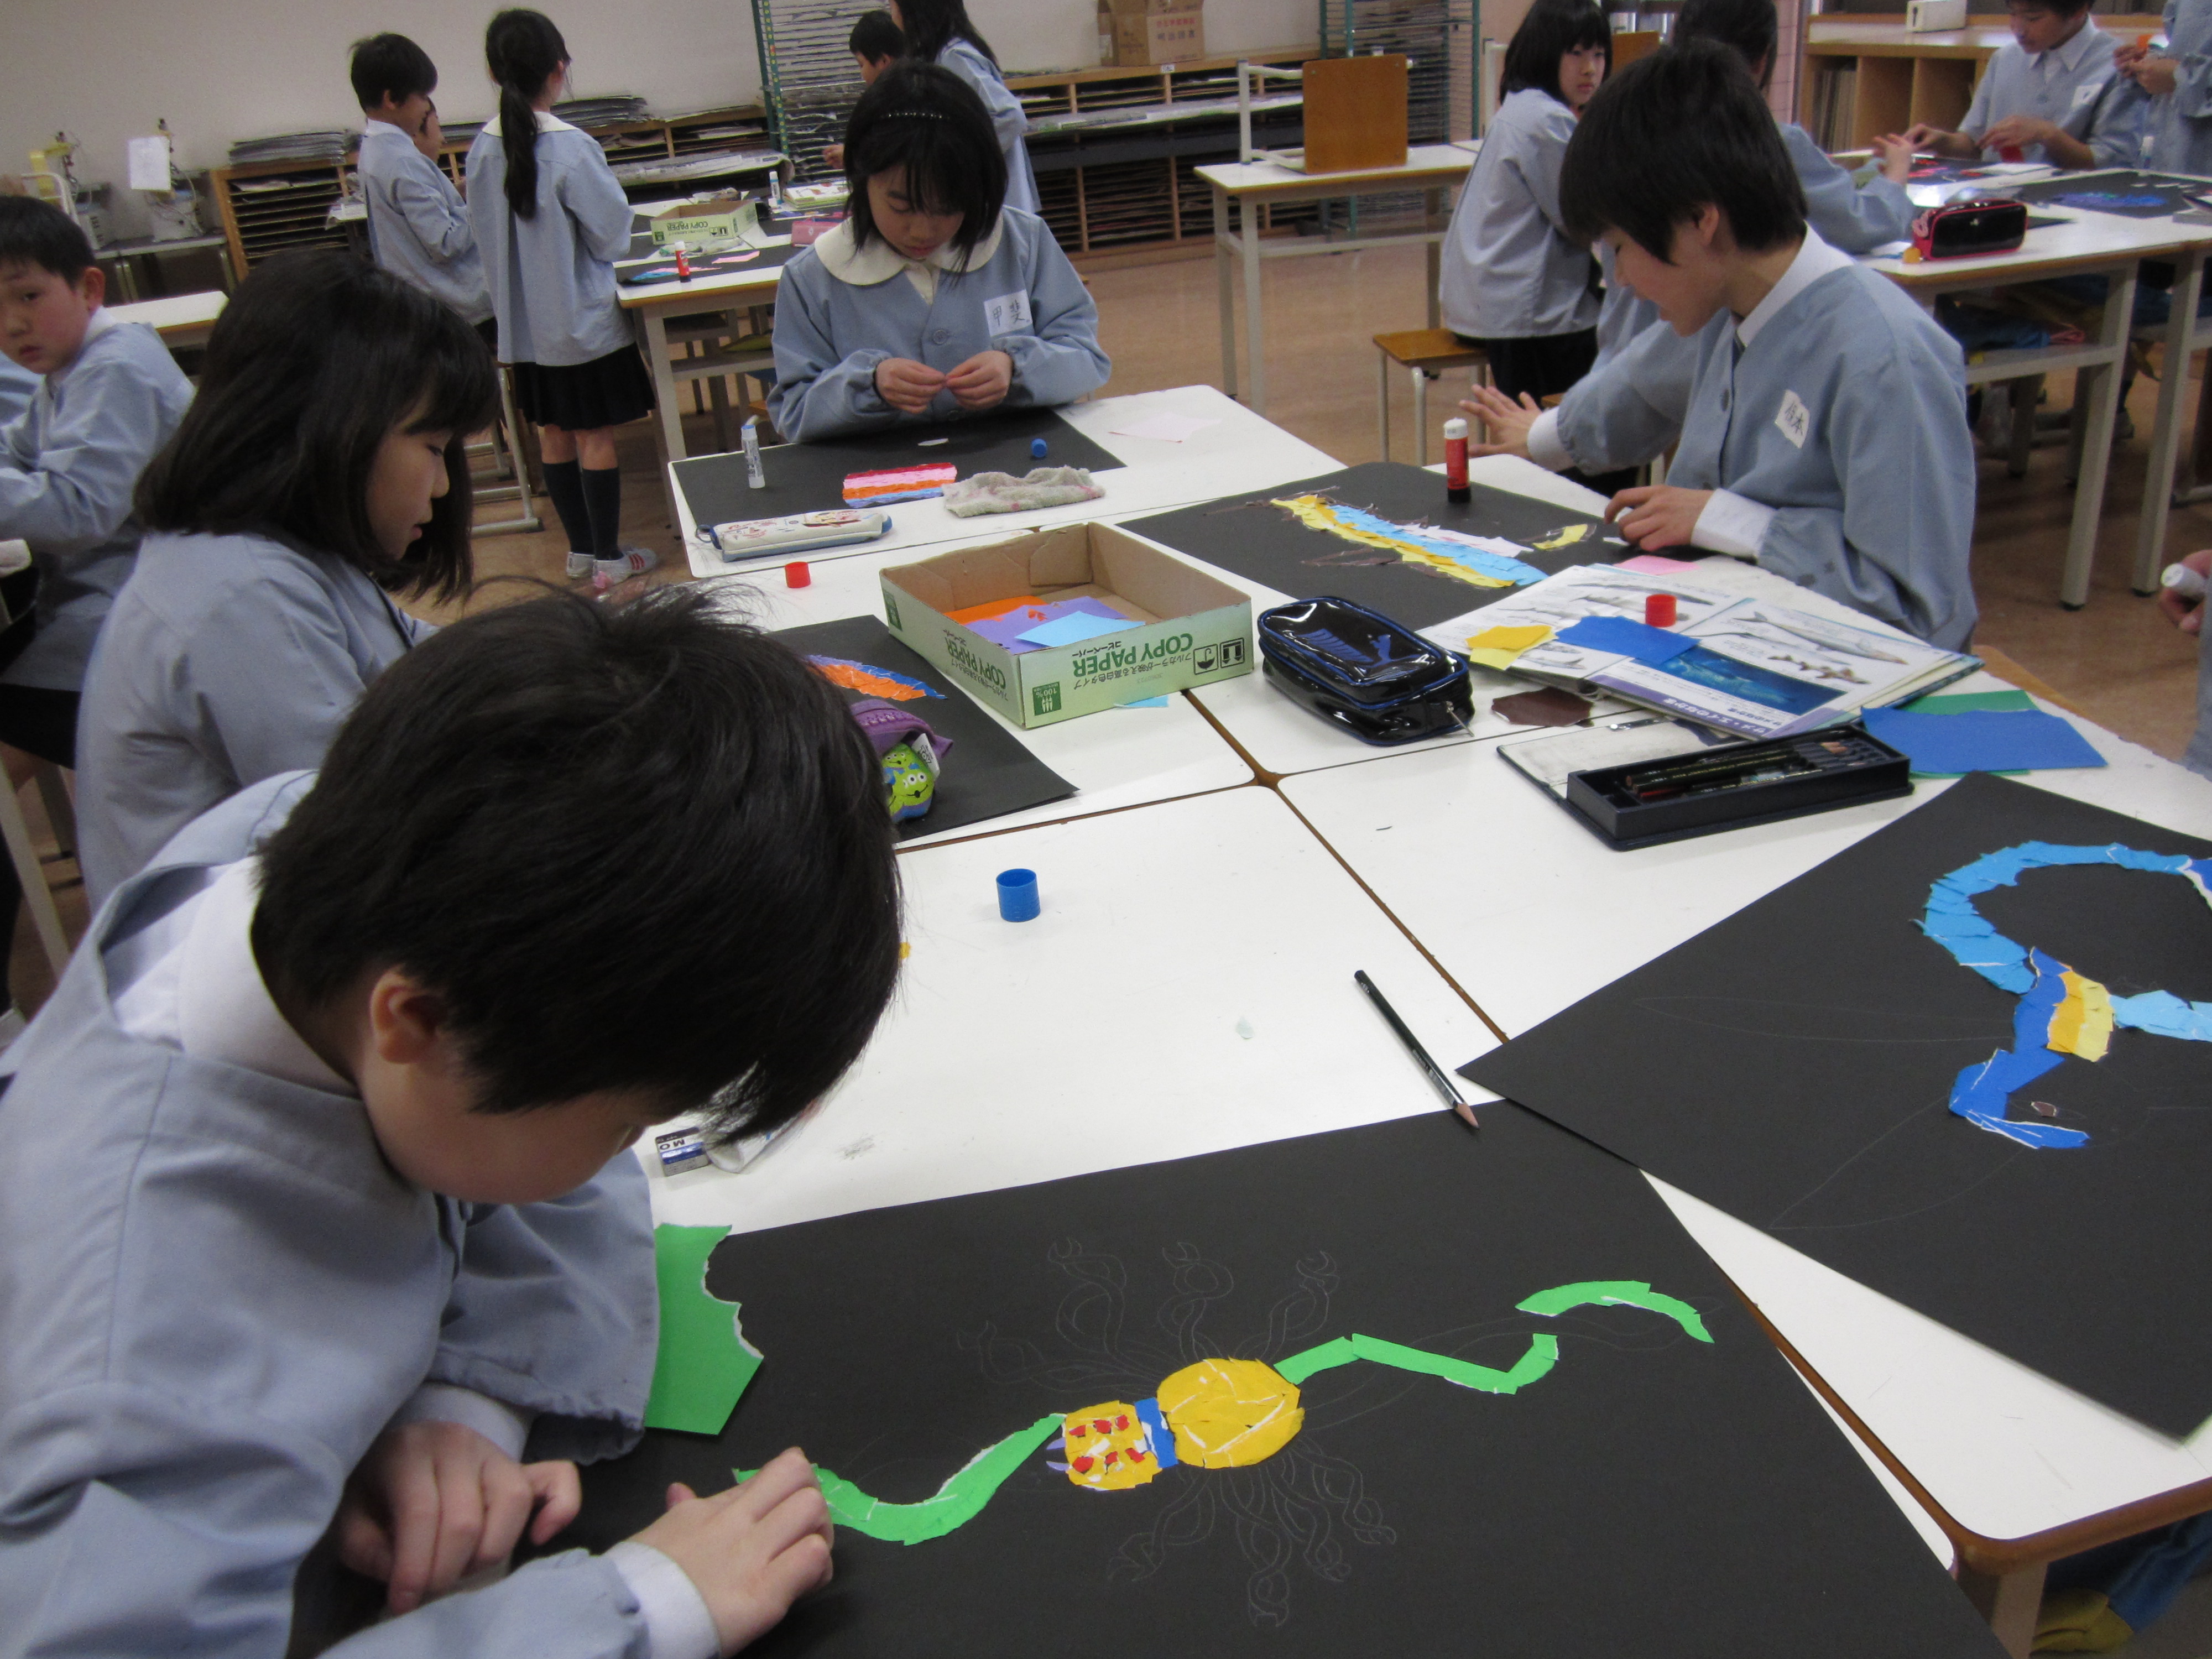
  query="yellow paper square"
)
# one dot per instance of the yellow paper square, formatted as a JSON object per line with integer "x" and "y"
{"x": 1498, "y": 647}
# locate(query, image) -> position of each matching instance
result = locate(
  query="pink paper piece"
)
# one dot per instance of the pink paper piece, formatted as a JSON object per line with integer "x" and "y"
{"x": 1652, "y": 564}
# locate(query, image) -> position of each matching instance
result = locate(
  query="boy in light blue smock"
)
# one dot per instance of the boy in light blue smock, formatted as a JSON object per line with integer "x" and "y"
{"x": 2052, "y": 94}
{"x": 938, "y": 32}
{"x": 1826, "y": 435}
{"x": 316, "y": 1199}
{"x": 418, "y": 226}
{"x": 931, "y": 300}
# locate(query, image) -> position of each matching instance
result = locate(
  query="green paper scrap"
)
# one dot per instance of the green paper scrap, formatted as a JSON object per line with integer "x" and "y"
{"x": 1972, "y": 702}
{"x": 704, "y": 1361}
{"x": 1616, "y": 1292}
{"x": 958, "y": 1502}
{"x": 1543, "y": 1354}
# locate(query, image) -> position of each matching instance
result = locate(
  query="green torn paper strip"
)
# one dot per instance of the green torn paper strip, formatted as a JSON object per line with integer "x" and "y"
{"x": 704, "y": 1362}
{"x": 1616, "y": 1292}
{"x": 956, "y": 1503}
{"x": 1972, "y": 702}
{"x": 1543, "y": 1354}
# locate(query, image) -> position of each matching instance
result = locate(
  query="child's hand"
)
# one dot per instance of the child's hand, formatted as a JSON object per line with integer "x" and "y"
{"x": 906, "y": 385}
{"x": 1921, "y": 134}
{"x": 833, "y": 156}
{"x": 1895, "y": 153}
{"x": 753, "y": 1550}
{"x": 1653, "y": 516}
{"x": 2019, "y": 131}
{"x": 1509, "y": 421}
{"x": 983, "y": 380}
{"x": 2156, "y": 75}
{"x": 433, "y": 1502}
{"x": 2187, "y": 614}
{"x": 2126, "y": 56}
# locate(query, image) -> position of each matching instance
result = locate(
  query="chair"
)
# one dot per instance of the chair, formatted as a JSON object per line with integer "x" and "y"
{"x": 1426, "y": 352}
{"x": 30, "y": 873}
{"x": 504, "y": 445}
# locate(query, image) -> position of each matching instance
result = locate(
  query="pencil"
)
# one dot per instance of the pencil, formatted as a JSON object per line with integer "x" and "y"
{"x": 1441, "y": 1083}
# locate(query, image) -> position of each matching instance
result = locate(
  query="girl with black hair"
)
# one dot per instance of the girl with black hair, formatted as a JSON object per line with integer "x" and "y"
{"x": 938, "y": 32}
{"x": 320, "y": 471}
{"x": 1513, "y": 281}
{"x": 551, "y": 222}
{"x": 935, "y": 298}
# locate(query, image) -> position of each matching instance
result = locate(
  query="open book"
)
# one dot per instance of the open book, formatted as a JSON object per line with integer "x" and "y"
{"x": 1748, "y": 666}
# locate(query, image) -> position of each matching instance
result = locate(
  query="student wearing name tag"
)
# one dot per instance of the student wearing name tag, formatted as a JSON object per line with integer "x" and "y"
{"x": 2052, "y": 94}
{"x": 935, "y": 298}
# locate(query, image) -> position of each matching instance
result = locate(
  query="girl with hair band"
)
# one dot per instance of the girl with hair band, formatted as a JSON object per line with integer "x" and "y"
{"x": 550, "y": 222}
{"x": 935, "y": 298}
{"x": 938, "y": 32}
{"x": 320, "y": 469}
{"x": 1514, "y": 282}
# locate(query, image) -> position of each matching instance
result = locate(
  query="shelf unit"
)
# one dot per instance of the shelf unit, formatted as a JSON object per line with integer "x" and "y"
{"x": 1865, "y": 74}
{"x": 276, "y": 206}
{"x": 1131, "y": 183}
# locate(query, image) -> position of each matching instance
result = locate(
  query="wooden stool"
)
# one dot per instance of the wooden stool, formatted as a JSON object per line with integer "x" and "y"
{"x": 1425, "y": 351}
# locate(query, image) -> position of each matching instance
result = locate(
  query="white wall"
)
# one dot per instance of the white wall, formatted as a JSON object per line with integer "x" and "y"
{"x": 218, "y": 70}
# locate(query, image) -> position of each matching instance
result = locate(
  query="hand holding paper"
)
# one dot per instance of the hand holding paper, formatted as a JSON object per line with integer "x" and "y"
{"x": 751, "y": 1551}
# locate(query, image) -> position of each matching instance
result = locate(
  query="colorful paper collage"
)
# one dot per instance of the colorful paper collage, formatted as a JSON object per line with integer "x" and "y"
{"x": 1474, "y": 559}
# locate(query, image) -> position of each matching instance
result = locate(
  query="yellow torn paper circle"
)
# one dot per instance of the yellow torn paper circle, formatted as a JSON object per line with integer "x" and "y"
{"x": 2081, "y": 1024}
{"x": 1501, "y": 648}
{"x": 1106, "y": 1447}
{"x": 1227, "y": 1414}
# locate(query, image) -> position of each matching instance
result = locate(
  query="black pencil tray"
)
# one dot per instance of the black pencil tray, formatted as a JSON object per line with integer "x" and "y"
{"x": 1871, "y": 771}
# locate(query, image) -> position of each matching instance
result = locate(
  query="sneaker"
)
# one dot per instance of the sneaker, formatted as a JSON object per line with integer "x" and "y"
{"x": 627, "y": 562}
{"x": 580, "y": 565}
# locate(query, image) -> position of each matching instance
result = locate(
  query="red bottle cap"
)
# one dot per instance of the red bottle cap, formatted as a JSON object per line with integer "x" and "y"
{"x": 799, "y": 574}
{"x": 1659, "y": 609}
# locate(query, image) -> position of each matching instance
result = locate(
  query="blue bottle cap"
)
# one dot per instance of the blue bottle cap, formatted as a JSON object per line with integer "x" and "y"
{"x": 1018, "y": 894}
{"x": 1037, "y": 449}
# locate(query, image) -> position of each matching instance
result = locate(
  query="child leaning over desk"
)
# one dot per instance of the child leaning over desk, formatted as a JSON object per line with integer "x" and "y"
{"x": 1825, "y": 438}
{"x": 2051, "y": 93}
{"x": 315, "y": 1192}
{"x": 933, "y": 298}
{"x": 321, "y": 471}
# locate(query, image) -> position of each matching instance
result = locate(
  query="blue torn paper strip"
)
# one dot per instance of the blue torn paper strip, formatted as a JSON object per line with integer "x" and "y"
{"x": 1159, "y": 701}
{"x": 1982, "y": 740}
{"x": 1076, "y": 627}
{"x": 1498, "y": 567}
{"x": 1983, "y": 1091}
{"x": 1647, "y": 644}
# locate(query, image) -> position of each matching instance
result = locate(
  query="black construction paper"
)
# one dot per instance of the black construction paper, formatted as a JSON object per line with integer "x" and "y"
{"x": 1652, "y": 1495}
{"x": 810, "y": 477}
{"x": 1248, "y": 535}
{"x": 988, "y": 771}
{"x": 2076, "y": 190}
{"x": 1793, "y": 1066}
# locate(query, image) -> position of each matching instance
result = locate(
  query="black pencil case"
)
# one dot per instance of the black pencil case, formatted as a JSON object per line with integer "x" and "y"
{"x": 1358, "y": 670}
{"x": 1643, "y": 803}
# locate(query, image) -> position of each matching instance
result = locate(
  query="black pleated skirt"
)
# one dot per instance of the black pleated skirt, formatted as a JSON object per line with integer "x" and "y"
{"x": 610, "y": 391}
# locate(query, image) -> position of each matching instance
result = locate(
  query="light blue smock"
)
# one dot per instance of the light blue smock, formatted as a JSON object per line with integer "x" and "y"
{"x": 227, "y": 660}
{"x": 830, "y": 333}
{"x": 1509, "y": 271}
{"x": 218, "y": 1293}
{"x": 2178, "y": 126}
{"x": 418, "y": 226}
{"x": 17, "y": 385}
{"x": 68, "y": 465}
{"x": 1008, "y": 119}
{"x": 552, "y": 276}
{"x": 2198, "y": 759}
{"x": 2073, "y": 85}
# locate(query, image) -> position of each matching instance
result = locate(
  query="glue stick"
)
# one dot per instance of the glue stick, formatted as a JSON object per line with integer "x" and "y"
{"x": 1455, "y": 488}
{"x": 683, "y": 265}
{"x": 2183, "y": 580}
{"x": 754, "y": 478}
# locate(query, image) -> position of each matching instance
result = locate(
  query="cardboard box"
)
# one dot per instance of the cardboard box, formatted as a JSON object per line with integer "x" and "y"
{"x": 1196, "y": 629}
{"x": 1922, "y": 16}
{"x": 1157, "y": 31}
{"x": 700, "y": 223}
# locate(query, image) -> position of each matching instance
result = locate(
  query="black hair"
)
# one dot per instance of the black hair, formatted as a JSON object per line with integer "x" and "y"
{"x": 391, "y": 64}
{"x": 876, "y": 37}
{"x": 523, "y": 50}
{"x": 38, "y": 234}
{"x": 315, "y": 359}
{"x": 1552, "y": 29}
{"x": 1640, "y": 165}
{"x": 929, "y": 122}
{"x": 933, "y": 25}
{"x": 1748, "y": 26}
{"x": 629, "y": 848}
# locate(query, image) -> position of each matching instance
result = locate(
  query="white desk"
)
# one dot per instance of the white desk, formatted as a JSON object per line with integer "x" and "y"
{"x": 181, "y": 320}
{"x": 1116, "y": 757}
{"x": 1169, "y": 1006}
{"x": 1528, "y": 913}
{"x": 1240, "y": 450}
{"x": 1431, "y": 169}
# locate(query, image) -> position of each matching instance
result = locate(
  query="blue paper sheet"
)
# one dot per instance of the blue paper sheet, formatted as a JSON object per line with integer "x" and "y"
{"x": 1646, "y": 644}
{"x": 1076, "y": 627}
{"x": 1980, "y": 741}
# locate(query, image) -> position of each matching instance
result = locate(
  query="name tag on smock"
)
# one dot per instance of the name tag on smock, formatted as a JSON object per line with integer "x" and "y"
{"x": 2082, "y": 94}
{"x": 1794, "y": 421}
{"x": 1007, "y": 314}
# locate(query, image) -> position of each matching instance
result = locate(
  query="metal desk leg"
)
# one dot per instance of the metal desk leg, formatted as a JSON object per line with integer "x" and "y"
{"x": 2097, "y": 441}
{"x": 2165, "y": 431}
{"x": 1255, "y": 349}
{"x": 664, "y": 398}
{"x": 1226, "y": 289}
{"x": 2009, "y": 1603}
{"x": 1382, "y": 405}
{"x": 1435, "y": 262}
